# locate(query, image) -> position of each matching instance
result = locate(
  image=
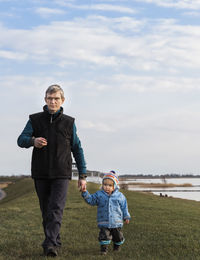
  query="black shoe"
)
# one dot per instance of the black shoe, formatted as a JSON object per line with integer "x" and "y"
{"x": 104, "y": 249}
{"x": 50, "y": 251}
{"x": 116, "y": 247}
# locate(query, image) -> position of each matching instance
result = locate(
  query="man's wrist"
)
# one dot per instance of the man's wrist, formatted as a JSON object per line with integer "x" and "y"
{"x": 82, "y": 177}
{"x": 32, "y": 141}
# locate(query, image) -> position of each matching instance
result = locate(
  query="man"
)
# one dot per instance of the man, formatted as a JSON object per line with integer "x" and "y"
{"x": 53, "y": 136}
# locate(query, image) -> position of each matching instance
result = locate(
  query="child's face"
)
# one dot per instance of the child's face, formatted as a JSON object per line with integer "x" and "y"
{"x": 108, "y": 186}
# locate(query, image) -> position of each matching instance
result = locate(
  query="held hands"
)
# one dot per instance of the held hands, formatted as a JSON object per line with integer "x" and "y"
{"x": 82, "y": 185}
{"x": 40, "y": 142}
{"x": 126, "y": 221}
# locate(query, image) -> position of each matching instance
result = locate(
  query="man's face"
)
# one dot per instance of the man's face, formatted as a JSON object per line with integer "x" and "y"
{"x": 54, "y": 101}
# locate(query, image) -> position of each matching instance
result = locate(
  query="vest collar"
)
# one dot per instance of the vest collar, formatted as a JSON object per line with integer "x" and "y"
{"x": 54, "y": 116}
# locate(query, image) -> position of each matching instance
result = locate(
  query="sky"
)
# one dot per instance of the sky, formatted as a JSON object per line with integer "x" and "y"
{"x": 130, "y": 73}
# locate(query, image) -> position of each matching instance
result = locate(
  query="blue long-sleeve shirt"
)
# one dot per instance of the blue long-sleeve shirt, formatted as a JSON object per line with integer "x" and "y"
{"x": 25, "y": 141}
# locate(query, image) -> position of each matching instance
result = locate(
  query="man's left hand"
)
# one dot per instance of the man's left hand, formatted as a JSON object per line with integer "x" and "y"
{"x": 82, "y": 184}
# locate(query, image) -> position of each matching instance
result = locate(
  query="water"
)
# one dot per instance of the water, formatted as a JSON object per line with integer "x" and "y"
{"x": 193, "y": 181}
{"x": 190, "y": 193}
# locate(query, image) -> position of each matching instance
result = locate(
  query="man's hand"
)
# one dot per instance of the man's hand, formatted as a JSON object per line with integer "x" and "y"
{"x": 82, "y": 185}
{"x": 40, "y": 142}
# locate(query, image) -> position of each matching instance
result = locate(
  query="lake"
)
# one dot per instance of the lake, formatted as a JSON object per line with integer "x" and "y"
{"x": 190, "y": 193}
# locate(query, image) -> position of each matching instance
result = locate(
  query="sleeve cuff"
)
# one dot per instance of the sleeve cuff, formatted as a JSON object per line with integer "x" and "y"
{"x": 82, "y": 177}
{"x": 32, "y": 141}
{"x": 127, "y": 217}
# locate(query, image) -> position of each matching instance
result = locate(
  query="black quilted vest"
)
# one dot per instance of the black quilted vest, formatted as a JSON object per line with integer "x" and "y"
{"x": 54, "y": 160}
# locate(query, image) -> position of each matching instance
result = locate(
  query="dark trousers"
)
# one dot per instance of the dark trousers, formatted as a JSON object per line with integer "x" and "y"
{"x": 108, "y": 234}
{"x": 52, "y": 196}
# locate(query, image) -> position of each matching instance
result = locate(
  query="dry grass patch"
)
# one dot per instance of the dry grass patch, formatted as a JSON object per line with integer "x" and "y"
{"x": 159, "y": 185}
{"x": 4, "y": 184}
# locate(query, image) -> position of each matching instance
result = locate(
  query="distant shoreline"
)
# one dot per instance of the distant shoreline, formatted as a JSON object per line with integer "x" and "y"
{"x": 158, "y": 177}
{"x": 158, "y": 185}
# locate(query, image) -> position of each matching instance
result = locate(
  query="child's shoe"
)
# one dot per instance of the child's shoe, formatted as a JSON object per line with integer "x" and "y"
{"x": 116, "y": 248}
{"x": 104, "y": 249}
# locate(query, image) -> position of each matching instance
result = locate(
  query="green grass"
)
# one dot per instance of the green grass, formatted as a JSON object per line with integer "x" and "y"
{"x": 162, "y": 228}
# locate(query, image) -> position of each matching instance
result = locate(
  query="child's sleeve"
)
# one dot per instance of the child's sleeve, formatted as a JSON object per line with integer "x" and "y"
{"x": 124, "y": 207}
{"x": 91, "y": 199}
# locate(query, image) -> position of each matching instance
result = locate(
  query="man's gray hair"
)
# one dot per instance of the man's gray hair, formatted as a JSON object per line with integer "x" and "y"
{"x": 55, "y": 88}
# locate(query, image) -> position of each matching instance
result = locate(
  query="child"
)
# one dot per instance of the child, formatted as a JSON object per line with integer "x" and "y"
{"x": 111, "y": 212}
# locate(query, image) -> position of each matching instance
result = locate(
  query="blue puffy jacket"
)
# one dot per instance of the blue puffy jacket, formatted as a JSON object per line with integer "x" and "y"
{"x": 112, "y": 209}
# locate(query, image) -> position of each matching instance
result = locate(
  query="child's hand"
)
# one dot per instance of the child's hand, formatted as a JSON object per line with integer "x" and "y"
{"x": 127, "y": 221}
{"x": 84, "y": 189}
{"x": 82, "y": 185}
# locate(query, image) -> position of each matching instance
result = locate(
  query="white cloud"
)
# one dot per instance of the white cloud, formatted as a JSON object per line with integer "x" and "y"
{"x": 64, "y": 2}
{"x": 179, "y": 4}
{"x": 176, "y": 121}
{"x": 12, "y": 55}
{"x": 107, "y": 7}
{"x": 98, "y": 7}
{"x": 97, "y": 126}
{"x": 191, "y": 13}
{"x": 167, "y": 48}
{"x": 46, "y": 12}
{"x": 155, "y": 83}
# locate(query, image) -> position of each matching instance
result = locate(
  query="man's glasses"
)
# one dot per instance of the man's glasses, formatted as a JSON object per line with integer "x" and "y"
{"x": 51, "y": 98}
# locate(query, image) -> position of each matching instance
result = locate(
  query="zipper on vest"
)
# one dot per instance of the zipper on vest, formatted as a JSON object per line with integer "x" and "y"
{"x": 51, "y": 120}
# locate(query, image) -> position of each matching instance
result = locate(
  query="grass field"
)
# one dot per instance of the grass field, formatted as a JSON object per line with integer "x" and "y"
{"x": 161, "y": 228}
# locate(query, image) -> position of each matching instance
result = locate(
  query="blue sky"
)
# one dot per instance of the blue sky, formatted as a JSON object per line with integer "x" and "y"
{"x": 130, "y": 72}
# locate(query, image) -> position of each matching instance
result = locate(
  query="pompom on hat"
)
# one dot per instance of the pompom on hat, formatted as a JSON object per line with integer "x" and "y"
{"x": 112, "y": 176}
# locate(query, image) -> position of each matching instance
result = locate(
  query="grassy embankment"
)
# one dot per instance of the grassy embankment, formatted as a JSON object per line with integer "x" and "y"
{"x": 163, "y": 228}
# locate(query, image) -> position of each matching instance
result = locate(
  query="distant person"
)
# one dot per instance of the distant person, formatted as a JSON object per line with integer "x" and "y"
{"x": 111, "y": 212}
{"x": 53, "y": 136}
